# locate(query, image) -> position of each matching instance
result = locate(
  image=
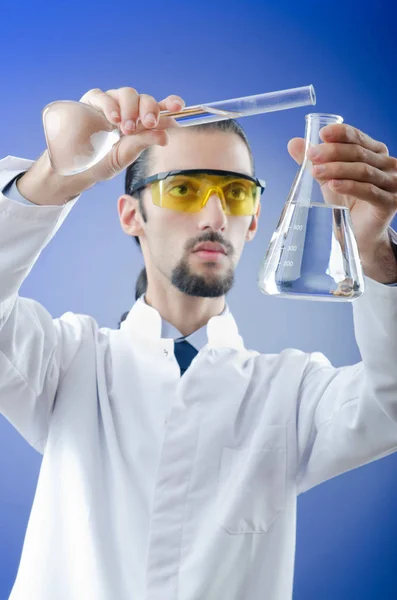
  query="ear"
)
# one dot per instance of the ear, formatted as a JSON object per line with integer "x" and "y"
{"x": 254, "y": 225}
{"x": 130, "y": 218}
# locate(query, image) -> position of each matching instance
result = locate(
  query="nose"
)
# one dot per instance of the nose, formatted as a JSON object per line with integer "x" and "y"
{"x": 212, "y": 215}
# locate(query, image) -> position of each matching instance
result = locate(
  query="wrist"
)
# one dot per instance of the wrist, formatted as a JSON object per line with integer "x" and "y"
{"x": 41, "y": 185}
{"x": 380, "y": 263}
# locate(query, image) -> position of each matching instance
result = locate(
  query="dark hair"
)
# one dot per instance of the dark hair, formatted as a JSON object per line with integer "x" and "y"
{"x": 123, "y": 318}
{"x": 139, "y": 168}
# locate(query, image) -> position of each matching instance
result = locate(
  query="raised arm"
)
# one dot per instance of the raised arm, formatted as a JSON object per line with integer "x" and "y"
{"x": 36, "y": 350}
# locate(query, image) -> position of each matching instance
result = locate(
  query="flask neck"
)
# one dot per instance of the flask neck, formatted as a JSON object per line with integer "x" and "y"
{"x": 314, "y": 123}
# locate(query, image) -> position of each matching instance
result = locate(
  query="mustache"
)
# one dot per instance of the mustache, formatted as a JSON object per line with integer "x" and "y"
{"x": 210, "y": 236}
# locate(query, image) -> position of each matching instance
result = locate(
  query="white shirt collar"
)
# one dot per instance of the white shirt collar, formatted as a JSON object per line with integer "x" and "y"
{"x": 146, "y": 321}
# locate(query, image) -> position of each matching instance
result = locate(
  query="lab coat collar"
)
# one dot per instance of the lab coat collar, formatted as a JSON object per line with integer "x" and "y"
{"x": 145, "y": 321}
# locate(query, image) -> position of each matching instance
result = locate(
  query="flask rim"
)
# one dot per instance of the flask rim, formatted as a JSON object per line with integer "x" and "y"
{"x": 325, "y": 117}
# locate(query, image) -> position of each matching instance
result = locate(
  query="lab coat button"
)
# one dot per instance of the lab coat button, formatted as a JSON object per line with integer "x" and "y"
{"x": 165, "y": 352}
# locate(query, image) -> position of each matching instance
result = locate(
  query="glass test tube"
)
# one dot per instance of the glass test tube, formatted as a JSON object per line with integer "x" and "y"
{"x": 244, "y": 107}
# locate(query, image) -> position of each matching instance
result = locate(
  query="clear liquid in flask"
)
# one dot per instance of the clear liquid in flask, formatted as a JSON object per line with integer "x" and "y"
{"x": 313, "y": 255}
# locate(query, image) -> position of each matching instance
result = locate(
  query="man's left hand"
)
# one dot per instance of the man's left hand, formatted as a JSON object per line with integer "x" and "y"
{"x": 356, "y": 171}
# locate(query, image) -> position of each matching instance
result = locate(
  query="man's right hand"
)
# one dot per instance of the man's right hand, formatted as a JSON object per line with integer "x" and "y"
{"x": 137, "y": 117}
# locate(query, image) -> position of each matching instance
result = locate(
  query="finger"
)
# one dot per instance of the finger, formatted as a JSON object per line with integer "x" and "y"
{"x": 162, "y": 123}
{"x": 365, "y": 191}
{"x": 296, "y": 148}
{"x": 359, "y": 172}
{"x": 103, "y": 102}
{"x": 172, "y": 103}
{"x": 126, "y": 151}
{"x": 149, "y": 111}
{"x": 128, "y": 99}
{"x": 341, "y": 132}
{"x": 330, "y": 152}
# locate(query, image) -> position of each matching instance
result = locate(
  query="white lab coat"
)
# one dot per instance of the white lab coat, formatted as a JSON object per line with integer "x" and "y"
{"x": 156, "y": 487}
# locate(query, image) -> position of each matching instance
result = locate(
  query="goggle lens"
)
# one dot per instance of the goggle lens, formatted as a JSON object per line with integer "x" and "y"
{"x": 190, "y": 193}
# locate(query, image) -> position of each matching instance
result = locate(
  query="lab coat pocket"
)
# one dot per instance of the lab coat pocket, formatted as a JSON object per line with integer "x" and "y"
{"x": 252, "y": 484}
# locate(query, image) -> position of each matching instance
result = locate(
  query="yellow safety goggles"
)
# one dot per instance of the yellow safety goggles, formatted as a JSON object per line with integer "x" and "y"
{"x": 189, "y": 190}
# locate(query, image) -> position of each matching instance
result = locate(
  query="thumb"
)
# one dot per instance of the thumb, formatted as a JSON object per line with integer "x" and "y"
{"x": 126, "y": 151}
{"x": 296, "y": 148}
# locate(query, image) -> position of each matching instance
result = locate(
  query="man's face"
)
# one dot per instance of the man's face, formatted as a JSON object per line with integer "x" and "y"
{"x": 169, "y": 239}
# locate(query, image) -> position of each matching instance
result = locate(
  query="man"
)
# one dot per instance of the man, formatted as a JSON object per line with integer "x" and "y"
{"x": 172, "y": 463}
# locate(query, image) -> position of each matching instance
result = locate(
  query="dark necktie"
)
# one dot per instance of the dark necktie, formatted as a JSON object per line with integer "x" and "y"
{"x": 184, "y": 354}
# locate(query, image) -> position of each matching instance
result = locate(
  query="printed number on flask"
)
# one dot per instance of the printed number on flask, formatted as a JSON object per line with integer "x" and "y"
{"x": 288, "y": 263}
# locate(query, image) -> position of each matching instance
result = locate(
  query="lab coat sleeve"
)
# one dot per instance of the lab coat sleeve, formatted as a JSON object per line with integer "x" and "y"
{"x": 35, "y": 350}
{"x": 347, "y": 417}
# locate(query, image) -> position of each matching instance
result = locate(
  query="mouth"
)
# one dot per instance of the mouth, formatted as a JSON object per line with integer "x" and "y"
{"x": 210, "y": 250}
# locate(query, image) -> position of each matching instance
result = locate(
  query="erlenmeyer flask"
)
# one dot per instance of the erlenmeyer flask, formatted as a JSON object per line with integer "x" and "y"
{"x": 313, "y": 253}
{"x": 78, "y": 136}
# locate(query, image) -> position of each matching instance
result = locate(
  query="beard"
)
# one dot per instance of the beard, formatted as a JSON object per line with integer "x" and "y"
{"x": 209, "y": 286}
{"x": 199, "y": 285}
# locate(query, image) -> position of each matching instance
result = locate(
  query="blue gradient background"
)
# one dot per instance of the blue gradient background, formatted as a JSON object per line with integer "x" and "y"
{"x": 347, "y": 527}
